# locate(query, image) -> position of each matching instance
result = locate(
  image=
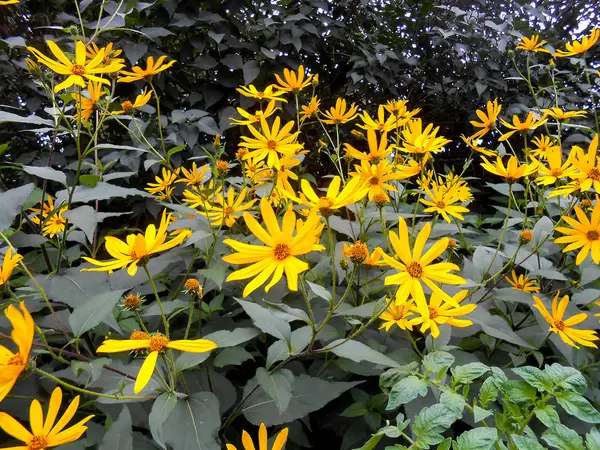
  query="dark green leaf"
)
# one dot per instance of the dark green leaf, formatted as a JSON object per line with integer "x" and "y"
{"x": 526, "y": 442}
{"x": 277, "y": 385}
{"x": 578, "y": 406}
{"x": 430, "y": 423}
{"x": 540, "y": 380}
{"x": 469, "y": 372}
{"x": 406, "y": 390}
{"x": 46, "y": 173}
{"x": 119, "y": 435}
{"x": 476, "y": 439}
{"x": 161, "y": 409}
{"x": 194, "y": 423}
{"x": 11, "y": 202}
{"x": 357, "y": 351}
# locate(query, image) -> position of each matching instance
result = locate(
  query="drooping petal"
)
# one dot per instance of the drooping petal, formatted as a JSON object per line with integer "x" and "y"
{"x": 145, "y": 372}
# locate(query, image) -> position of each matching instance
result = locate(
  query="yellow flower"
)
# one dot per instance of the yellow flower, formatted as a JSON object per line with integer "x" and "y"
{"x": 200, "y": 195}
{"x": 487, "y": 121}
{"x": 152, "y": 68}
{"x": 48, "y": 433}
{"x": 293, "y": 82}
{"x": 353, "y": 191}
{"x": 8, "y": 2}
{"x": 156, "y": 343}
{"x": 127, "y": 107}
{"x": 8, "y": 265}
{"x": 195, "y": 176}
{"x": 52, "y": 220}
{"x": 280, "y": 440}
{"x": 271, "y": 142}
{"x": 523, "y": 283}
{"x": 555, "y": 170}
{"x": 577, "y": 48}
{"x": 417, "y": 268}
{"x": 412, "y": 168}
{"x": 252, "y": 118}
{"x": 137, "y": 248}
{"x": 512, "y": 172}
{"x": 227, "y": 210}
{"x": 381, "y": 124}
{"x": 338, "y": 114}
{"x": 311, "y": 109}
{"x": 268, "y": 94}
{"x": 533, "y": 44}
{"x": 376, "y": 177}
{"x": 376, "y": 153}
{"x": 400, "y": 111}
{"x": 564, "y": 328}
{"x": 476, "y": 147}
{"x": 396, "y": 315}
{"x": 79, "y": 69}
{"x": 441, "y": 201}
{"x": 163, "y": 184}
{"x": 375, "y": 259}
{"x": 567, "y": 189}
{"x": 357, "y": 252}
{"x": 525, "y": 236}
{"x": 530, "y": 124}
{"x": 13, "y": 364}
{"x": 280, "y": 252}
{"x": 559, "y": 114}
{"x": 87, "y": 106}
{"x": 441, "y": 311}
{"x": 584, "y": 234}
{"x": 544, "y": 145}
{"x": 422, "y": 141}
{"x": 110, "y": 55}
{"x": 588, "y": 166}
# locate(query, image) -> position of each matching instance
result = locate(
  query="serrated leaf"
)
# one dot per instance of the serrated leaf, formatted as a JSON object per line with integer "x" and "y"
{"x": 535, "y": 377}
{"x": 438, "y": 361}
{"x": 277, "y": 385}
{"x": 592, "y": 439}
{"x": 319, "y": 291}
{"x": 232, "y": 356}
{"x": 406, "y": 390}
{"x": 480, "y": 414}
{"x": 577, "y": 406}
{"x": 482, "y": 438}
{"x": 518, "y": 391}
{"x": 469, "y": 372}
{"x": 526, "y": 442}
{"x": 563, "y": 438}
{"x": 454, "y": 401}
{"x": 567, "y": 378}
{"x": 430, "y": 423}
{"x": 162, "y": 408}
{"x": 547, "y": 415}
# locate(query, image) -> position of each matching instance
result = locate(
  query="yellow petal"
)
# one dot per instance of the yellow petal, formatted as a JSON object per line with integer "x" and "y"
{"x": 193, "y": 346}
{"x": 14, "y": 428}
{"x": 145, "y": 372}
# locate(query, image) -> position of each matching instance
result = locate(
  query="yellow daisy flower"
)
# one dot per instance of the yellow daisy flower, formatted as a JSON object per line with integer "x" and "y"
{"x": 588, "y": 166}
{"x": 271, "y": 142}
{"x": 523, "y": 283}
{"x": 164, "y": 183}
{"x": 442, "y": 201}
{"x": 577, "y": 48}
{"x": 252, "y": 118}
{"x": 377, "y": 152}
{"x": 334, "y": 199}
{"x": 476, "y": 147}
{"x": 533, "y": 44}
{"x": 487, "y": 121}
{"x": 195, "y": 175}
{"x": 292, "y": 81}
{"x": 397, "y": 315}
{"x": 555, "y": 170}
{"x": 530, "y": 123}
{"x": 200, "y": 195}
{"x": 51, "y": 219}
{"x": 584, "y": 234}
{"x": 311, "y": 109}
{"x": 512, "y": 172}
{"x": 381, "y": 124}
{"x": 399, "y": 109}
{"x": 268, "y": 94}
{"x": 8, "y": 265}
{"x": 263, "y": 442}
{"x": 87, "y": 106}
{"x": 543, "y": 146}
{"x": 559, "y": 114}
{"x": 110, "y": 55}
{"x": 340, "y": 113}
{"x": 152, "y": 68}
{"x": 421, "y": 141}
{"x": 8, "y": 2}
{"x": 128, "y": 108}
{"x": 376, "y": 177}
{"x": 227, "y": 210}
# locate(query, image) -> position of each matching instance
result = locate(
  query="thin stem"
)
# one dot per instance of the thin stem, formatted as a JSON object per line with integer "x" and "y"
{"x": 160, "y": 130}
{"x": 156, "y": 296}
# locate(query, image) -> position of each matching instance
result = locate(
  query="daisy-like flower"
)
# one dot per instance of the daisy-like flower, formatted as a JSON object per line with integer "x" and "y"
{"x": 357, "y": 252}
{"x": 442, "y": 201}
{"x": 48, "y": 433}
{"x": 566, "y": 190}
{"x": 555, "y": 169}
{"x": 578, "y": 48}
{"x": 512, "y": 172}
{"x": 152, "y": 68}
{"x": 140, "y": 100}
{"x": 13, "y": 364}
{"x": 408, "y": 170}
{"x": 473, "y": 145}
{"x": 588, "y": 166}
{"x": 584, "y": 234}
{"x": 195, "y": 175}
{"x": 51, "y": 219}
{"x": 421, "y": 141}
{"x": 8, "y": 265}
{"x": 530, "y": 123}
{"x": 416, "y": 267}
{"x": 543, "y": 146}
{"x": 227, "y": 209}
{"x": 340, "y": 113}
{"x": 163, "y": 184}
{"x": 399, "y": 109}
{"x": 532, "y": 44}
{"x": 279, "y": 253}
{"x": 271, "y": 142}
{"x": 487, "y": 121}
{"x": 292, "y": 81}
{"x": 381, "y": 124}
{"x": 156, "y": 344}
{"x": 443, "y": 312}
{"x": 252, "y": 118}
{"x": 87, "y": 106}
{"x": 77, "y": 70}
{"x": 110, "y": 55}
{"x": 377, "y": 152}
{"x": 397, "y": 315}
{"x": 559, "y": 114}
{"x": 523, "y": 283}
{"x": 137, "y": 248}
{"x": 375, "y": 259}
{"x": 268, "y": 94}
{"x": 564, "y": 327}
{"x": 376, "y": 177}
{"x": 311, "y": 109}
{"x": 263, "y": 441}
{"x": 200, "y": 195}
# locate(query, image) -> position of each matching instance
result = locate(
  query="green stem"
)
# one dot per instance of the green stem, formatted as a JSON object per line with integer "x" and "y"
{"x": 156, "y": 296}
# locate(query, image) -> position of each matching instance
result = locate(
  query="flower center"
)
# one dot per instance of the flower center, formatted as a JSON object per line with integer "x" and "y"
{"x": 559, "y": 324}
{"x": 271, "y": 145}
{"x": 227, "y": 210}
{"x": 132, "y": 301}
{"x": 432, "y": 313}
{"x": 556, "y": 172}
{"x": 127, "y": 106}
{"x": 374, "y": 181}
{"x": 158, "y": 343}
{"x": 260, "y": 95}
{"x": 519, "y": 286}
{"x": 381, "y": 126}
{"x": 16, "y": 360}
{"x": 440, "y": 204}
{"x": 325, "y": 205}
{"x": 78, "y": 70}
{"x": 37, "y": 443}
{"x": 139, "y": 336}
{"x": 281, "y": 252}
{"x": 358, "y": 252}
{"x": 594, "y": 174}
{"x": 592, "y": 235}
{"x": 414, "y": 269}
{"x": 510, "y": 180}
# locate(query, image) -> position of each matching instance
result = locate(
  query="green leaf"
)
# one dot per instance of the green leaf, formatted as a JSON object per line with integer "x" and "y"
{"x": 406, "y": 390}
{"x": 567, "y": 378}
{"x": 91, "y": 180}
{"x": 518, "y": 391}
{"x": 237, "y": 336}
{"x": 357, "y": 409}
{"x": 11, "y": 202}
{"x": 215, "y": 273}
{"x": 46, "y": 173}
{"x": 357, "y": 351}
{"x": 319, "y": 291}
{"x": 371, "y": 443}
{"x": 267, "y": 321}
{"x": 91, "y": 313}
{"x": 577, "y": 406}
{"x": 437, "y": 362}
{"x": 563, "y": 438}
{"x": 526, "y": 442}
{"x": 119, "y": 435}
{"x": 469, "y": 372}
{"x": 280, "y": 350}
{"x": 232, "y": 356}
{"x": 430, "y": 423}
{"x": 497, "y": 327}
{"x": 277, "y": 385}
{"x": 446, "y": 444}
{"x": 32, "y": 119}
{"x": 540, "y": 380}
{"x": 194, "y": 423}
{"x": 187, "y": 360}
{"x": 454, "y": 401}
{"x": 476, "y": 439}
{"x": 251, "y": 70}
{"x": 547, "y": 415}
{"x": 102, "y": 191}
{"x": 390, "y": 377}
{"x": 308, "y": 394}
{"x": 489, "y": 391}
{"x": 480, "y": 414}
{"x": 592, "y": 439}
{"x": 161, "y": 410}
